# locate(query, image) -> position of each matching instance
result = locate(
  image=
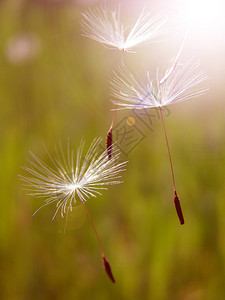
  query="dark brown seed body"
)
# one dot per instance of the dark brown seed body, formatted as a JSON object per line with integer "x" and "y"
{"x": 109, "y": 141}
{"x": 107, "y": 268}
{"x": 178, "y": 208}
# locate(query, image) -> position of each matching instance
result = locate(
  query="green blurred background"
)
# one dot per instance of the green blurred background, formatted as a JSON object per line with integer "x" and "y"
{"x": 54, "y": 84}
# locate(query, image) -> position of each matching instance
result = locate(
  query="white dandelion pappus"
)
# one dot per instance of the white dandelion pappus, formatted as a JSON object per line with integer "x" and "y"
{"x": 66, "y": 182}
{"x": 180, "y": 83}
{"x": 106, "y": 28}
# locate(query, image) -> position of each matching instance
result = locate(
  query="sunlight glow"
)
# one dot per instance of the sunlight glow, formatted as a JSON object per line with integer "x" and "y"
{"x": 203, "y": 14}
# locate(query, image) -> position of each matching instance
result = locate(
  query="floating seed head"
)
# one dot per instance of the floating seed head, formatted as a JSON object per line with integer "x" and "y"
{"x": 106, "y": 28}
{"x": 179, "y": 83}
{"x": 68, "y": 181}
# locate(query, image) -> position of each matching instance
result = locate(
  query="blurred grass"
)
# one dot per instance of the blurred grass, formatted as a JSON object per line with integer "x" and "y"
{"x": 61, "y": 93}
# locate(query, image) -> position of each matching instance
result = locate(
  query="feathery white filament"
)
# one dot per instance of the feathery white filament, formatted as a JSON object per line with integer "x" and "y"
{"x": 65, "y": 181}
{"x": 182, "y": 84}
{"x": 106, "y": 28}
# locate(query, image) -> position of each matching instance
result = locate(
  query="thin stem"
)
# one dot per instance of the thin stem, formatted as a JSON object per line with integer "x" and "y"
{"x": 105, "y": 262}
{"x": 93, "y": 225}
{"x": 168, "y": 148}
{"x": 109, "y": 137}
{"x": 175, "y": 197}
{"x": 121, "y": 76}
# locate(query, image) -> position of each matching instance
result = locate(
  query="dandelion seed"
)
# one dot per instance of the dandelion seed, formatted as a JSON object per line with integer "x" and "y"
{"x": 180, "y": 83}
{"x": 178, "y": 208}
{"x": 109, "y": 142}
{"x": 108, "y": 269}
{"x": 106, "y": 28}
{"x": 66, "y": 182}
